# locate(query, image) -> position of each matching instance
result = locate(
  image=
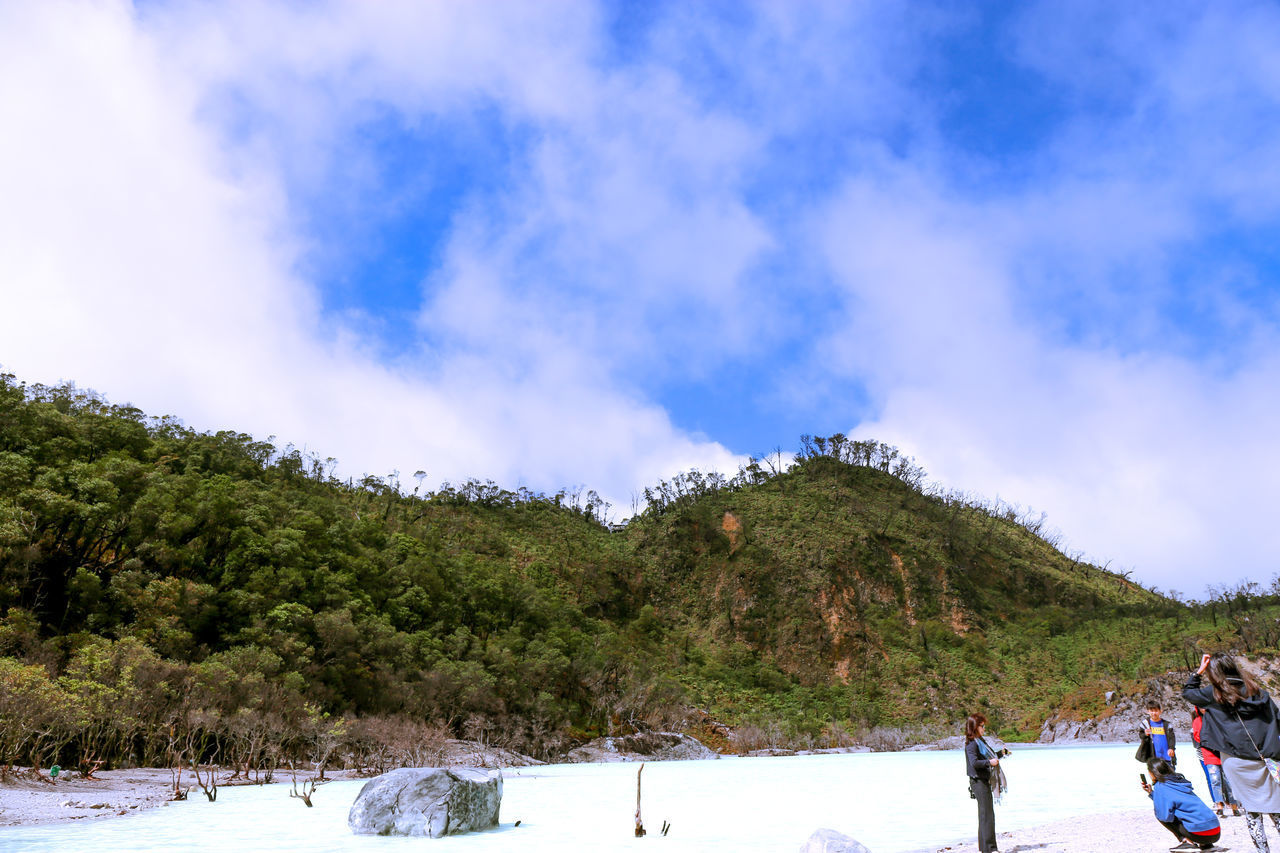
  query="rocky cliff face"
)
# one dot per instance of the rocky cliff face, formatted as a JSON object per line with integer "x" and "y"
{"x": 1122, "y": 721}
{"x": 1121, "y": 725}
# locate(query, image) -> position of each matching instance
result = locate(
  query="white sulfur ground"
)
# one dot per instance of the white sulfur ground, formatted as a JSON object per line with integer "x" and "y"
{"x": 1120, "y": 832}
{"x": 1075, "y": 800}
{"x": 27, "y": 801}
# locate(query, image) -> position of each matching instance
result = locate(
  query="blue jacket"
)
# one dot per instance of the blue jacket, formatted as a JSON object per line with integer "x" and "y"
{"x": 1173, "y": 798}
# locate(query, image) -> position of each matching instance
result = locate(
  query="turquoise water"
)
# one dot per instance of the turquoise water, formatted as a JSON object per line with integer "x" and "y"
{"x": 891, "y": 802}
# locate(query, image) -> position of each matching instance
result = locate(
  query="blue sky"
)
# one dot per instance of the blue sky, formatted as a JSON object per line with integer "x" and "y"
{"x": 564, "y": 244}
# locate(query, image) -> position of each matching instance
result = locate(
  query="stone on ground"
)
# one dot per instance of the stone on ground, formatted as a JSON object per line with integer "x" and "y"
{"x": 427, "y": 801}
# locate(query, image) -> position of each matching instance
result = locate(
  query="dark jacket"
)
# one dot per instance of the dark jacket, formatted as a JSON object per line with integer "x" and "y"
{"x": 1146, "y": 751}
{"x": 1173, "y": 799}
{"x": 1248, "y": 729}
{"x": 975, "y": 765}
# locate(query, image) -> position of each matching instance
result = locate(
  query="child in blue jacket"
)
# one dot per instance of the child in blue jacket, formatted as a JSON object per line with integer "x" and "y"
{"x": 1179, "y": 809}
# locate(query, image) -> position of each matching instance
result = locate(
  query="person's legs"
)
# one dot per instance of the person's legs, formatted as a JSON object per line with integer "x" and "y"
{"x": 1203, "y": 840}
{"x": 1258, "y": 831}
{"x": 986, "y": 816}
{"x": 1228, "y": 798}
{"x": 1213, "y": 775}
{"x": 1174, "y": 826}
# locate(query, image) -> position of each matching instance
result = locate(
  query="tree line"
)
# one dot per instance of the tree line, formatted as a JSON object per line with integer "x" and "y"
{"x": 236, "y": 588}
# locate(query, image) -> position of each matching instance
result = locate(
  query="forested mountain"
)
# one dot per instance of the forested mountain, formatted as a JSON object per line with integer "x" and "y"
{"x": 167, "y": 592}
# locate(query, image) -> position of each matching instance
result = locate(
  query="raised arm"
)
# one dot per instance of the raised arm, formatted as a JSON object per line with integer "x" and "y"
{"x": 1194, "y": 692}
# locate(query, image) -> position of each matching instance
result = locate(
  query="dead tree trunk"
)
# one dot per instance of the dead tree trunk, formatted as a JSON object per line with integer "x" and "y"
{"x": 639, "y": 823}
{"x": 308, "y": 788}
{"x": 208, "y": 783}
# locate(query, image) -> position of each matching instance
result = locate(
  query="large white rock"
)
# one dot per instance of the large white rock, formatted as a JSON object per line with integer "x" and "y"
{"x": 427, "y": 801}
{"x": 830, "y": 841}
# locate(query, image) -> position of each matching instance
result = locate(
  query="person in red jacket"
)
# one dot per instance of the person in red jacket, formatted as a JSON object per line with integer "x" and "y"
{"x": 1219, "y": 788}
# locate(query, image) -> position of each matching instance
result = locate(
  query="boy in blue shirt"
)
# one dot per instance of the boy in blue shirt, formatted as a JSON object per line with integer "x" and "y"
{"x": 1157, "y": 737}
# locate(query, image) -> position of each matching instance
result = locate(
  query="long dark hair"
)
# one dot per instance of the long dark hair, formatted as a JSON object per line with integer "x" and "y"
{"x": 971, "y": 726}
{"x": 1229, "y": 680}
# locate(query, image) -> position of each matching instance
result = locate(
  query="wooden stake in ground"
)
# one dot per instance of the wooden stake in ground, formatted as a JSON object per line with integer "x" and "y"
{"x": 639, "y": 824}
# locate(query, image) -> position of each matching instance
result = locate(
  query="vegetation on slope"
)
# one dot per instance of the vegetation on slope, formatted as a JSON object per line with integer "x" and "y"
{"x": 167, "y": 594}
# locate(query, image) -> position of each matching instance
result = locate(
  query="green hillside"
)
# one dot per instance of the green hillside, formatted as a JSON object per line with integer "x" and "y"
{"x": 166, "y": 592}
{"x": 846, "y": 579}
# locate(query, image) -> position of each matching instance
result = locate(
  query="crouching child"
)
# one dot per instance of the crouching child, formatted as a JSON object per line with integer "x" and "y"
{"x": 1179, "y": 809}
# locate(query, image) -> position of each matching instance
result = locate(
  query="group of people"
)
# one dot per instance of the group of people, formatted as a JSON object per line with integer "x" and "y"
{"x": 1239, "y": 723}
{"x": 1176, "y": 805}
{"x": 1236, "y": 733}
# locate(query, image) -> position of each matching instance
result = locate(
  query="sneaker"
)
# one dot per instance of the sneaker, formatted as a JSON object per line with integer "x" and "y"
{"x": 1185, "y": 845}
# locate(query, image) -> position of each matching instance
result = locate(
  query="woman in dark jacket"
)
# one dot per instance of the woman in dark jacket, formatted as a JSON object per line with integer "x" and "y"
{"x": 1240, "y": 724}
{"x": 982, "y": 764}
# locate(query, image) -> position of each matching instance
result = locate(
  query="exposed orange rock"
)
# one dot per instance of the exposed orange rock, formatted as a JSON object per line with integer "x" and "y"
{"x": 908, "y": 605}
{"x": 732, "y": 526}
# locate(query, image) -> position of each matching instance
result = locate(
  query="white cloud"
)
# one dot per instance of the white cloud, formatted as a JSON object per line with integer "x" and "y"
{"x": 1148, "y": 459}
{"x": 145, "y": 258}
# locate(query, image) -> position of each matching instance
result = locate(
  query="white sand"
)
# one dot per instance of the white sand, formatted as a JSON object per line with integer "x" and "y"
{"x": 114, "y": 792}
{"x": 1119, "y": 832}
{"x": 26, "y": 802}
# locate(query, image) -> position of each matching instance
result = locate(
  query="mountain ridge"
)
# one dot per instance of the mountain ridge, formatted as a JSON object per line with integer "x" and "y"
{"x": 162, "y": 588}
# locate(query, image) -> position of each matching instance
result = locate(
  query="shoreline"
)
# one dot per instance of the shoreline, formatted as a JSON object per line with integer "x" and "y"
{"x": 111, "y": 793}
{"x": 115, "y": 793}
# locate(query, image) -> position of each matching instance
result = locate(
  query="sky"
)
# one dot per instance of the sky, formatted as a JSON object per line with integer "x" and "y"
{"x": 580, "y": 245}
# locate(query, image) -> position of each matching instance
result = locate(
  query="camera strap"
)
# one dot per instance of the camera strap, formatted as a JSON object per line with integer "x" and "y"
{"x": 1272, "y": 767}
